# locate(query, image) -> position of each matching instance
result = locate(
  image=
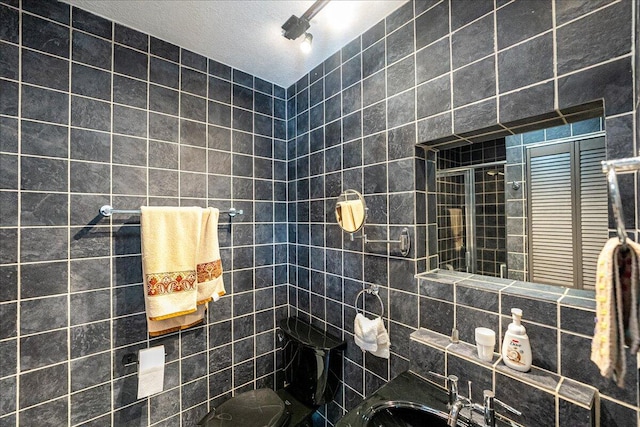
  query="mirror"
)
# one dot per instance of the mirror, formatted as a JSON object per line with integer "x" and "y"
{"x": 351, "y": 211}
{"x": 531, "y": 207}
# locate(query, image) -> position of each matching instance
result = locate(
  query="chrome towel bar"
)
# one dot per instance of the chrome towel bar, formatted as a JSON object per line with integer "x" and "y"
{"x": 107, "y": 210}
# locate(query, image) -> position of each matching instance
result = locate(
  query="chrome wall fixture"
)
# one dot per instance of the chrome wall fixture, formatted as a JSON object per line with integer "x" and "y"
{"x": 373, "y": 290}
{"x": 404, "y": 241}
{"x": 107, "y": 211}
{"x": 611, "y": 167}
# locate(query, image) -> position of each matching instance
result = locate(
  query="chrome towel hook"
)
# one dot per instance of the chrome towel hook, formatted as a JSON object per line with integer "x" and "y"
{"x": 611, "y": 167}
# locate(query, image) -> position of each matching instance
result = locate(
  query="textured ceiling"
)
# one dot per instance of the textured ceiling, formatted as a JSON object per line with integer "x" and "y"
{"x": 246, "y": 34}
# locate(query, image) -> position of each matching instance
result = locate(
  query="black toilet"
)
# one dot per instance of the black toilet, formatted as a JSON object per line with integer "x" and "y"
{"x": 312, "y": 368}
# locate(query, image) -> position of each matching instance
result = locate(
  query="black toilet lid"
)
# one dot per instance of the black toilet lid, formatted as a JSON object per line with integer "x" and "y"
{"x": 255, "y": 408}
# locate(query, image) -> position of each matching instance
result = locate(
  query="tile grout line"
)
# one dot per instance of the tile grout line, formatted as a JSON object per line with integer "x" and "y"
{"x": 68, "y": 218}
{"x": 208, "y": 313}
{"x": 556, "y": 97}
{"x": 147, "y": 340}
{"x": 496, "y": 60}
{"x": 231, "y": 239}
{"x": 112, "y": 362}
{"x": 18, "y": 366}
{"x": 180, "y": 165}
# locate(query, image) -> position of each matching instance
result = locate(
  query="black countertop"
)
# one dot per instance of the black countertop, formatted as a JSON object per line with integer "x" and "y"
{"x": 410, "y": 388}
{"x": 406, "y": 387}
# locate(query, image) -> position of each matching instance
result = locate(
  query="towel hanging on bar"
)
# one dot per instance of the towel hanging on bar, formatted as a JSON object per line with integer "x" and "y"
{"x": 182, "y": 270}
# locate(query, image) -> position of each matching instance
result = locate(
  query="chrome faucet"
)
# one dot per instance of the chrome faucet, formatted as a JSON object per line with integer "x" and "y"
{"x": 454, "y": 413}
{"x": 460, "y": 403}
{"x": 488, "y": 408}
{"x": 451, "y": 386}
{"x": 488, "y": 399}
{"x": 457, "y": 403}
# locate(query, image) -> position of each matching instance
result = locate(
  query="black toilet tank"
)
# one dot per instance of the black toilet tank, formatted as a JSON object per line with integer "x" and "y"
{"x": 312, "y": 361}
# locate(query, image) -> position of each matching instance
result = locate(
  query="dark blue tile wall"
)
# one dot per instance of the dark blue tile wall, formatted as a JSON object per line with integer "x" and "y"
{"x": 447, "y": 73}
{"x": 95, "y": 113}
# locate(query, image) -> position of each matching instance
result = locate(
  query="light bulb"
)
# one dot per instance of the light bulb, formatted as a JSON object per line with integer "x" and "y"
{"x": 306, "y": 43}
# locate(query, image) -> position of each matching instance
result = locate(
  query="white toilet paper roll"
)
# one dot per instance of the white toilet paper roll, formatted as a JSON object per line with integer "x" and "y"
{"x": 150, "y": 371}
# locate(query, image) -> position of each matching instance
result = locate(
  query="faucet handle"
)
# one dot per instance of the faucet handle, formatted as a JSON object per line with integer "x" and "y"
{"x": 488, "y": 410}
{"x": 507, "y": 407}
{"x": 437, "y": 375}
{"x": 489, "y": 399}
{"x": 451, "y": 384}
{"x": 448, "y": 378}
{"x": 453, "y": 387}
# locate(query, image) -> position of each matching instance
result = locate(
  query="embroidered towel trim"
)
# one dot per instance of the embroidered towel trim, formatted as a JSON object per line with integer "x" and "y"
{"x": 208, "y": 264}
{"x": 170, "y": 237}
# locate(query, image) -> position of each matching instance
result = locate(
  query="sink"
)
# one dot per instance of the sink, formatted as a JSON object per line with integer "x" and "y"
{"x": 404, "y": 414}
{"x": 408, "y": 400}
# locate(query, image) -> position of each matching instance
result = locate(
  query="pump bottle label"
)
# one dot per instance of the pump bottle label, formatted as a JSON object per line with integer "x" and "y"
{"x": 514, "y": 351}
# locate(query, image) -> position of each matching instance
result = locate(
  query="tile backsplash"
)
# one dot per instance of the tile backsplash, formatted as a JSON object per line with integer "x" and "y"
{"x": 559, "y": 324}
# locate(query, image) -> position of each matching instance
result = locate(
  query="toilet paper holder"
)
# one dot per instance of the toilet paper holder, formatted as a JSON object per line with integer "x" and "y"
{"x": 130, "y": 359}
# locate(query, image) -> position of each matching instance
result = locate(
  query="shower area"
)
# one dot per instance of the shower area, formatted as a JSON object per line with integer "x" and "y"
{"x": 471, "y": 209}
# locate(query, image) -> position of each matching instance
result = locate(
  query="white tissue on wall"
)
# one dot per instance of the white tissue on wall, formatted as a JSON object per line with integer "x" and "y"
{"x": 150, "y": 371}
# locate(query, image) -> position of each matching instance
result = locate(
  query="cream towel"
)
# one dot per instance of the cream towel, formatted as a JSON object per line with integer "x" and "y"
{"x": 161, "y": 327}
{"x": 170, "y": 238}
{"x": 366, "y": 332}
{"x": 209, "y": 266}
{"x": 455, "y": 220}
{"x": 616, "y": 308}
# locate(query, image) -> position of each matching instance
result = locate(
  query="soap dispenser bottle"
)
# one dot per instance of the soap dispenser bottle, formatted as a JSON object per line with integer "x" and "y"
{"x": 516, "y": 349}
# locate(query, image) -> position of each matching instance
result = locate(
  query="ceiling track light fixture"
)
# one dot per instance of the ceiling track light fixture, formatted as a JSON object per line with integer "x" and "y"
{"x": 295, "y": 27}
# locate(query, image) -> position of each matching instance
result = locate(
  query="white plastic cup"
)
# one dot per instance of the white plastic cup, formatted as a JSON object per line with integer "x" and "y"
{"x": 485, "y": 343}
